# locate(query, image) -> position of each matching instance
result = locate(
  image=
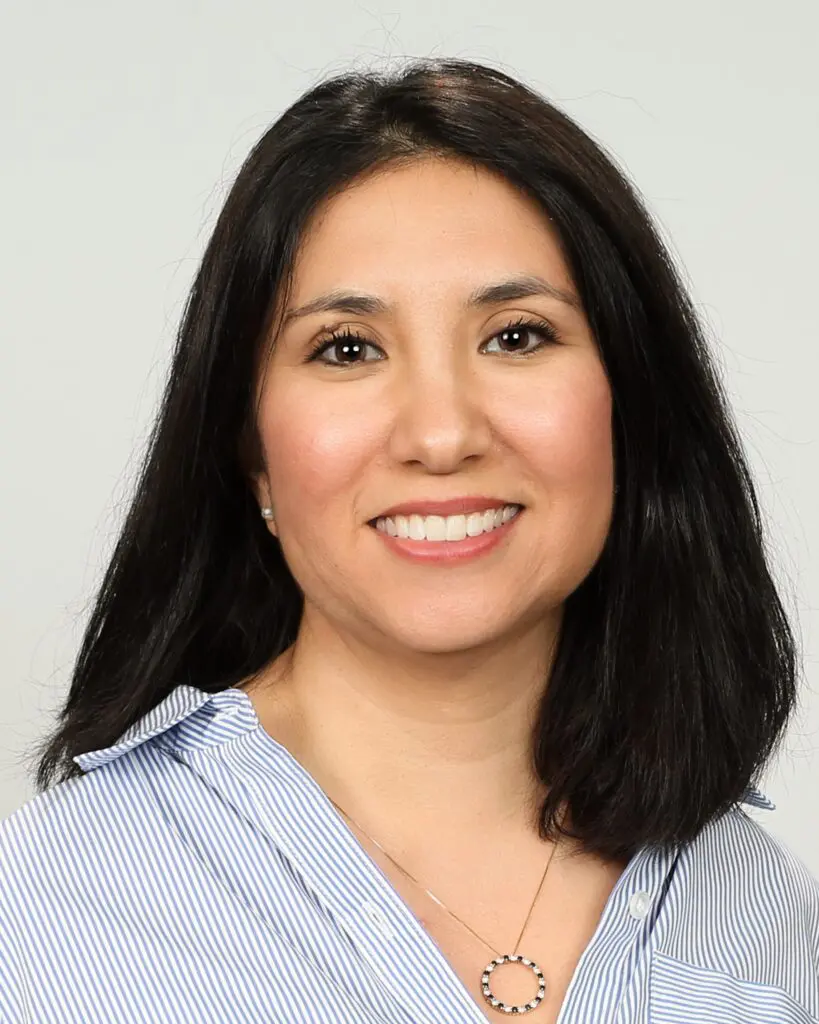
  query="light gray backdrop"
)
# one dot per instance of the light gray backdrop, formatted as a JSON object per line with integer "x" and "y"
{"x": 122, "y": 127}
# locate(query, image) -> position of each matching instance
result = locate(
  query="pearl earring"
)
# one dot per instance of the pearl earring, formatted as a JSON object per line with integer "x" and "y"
{"x": 267, "y": 513}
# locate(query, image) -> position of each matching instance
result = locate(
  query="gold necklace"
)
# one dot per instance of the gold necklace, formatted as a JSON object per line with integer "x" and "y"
{"x": 500, "y": 959}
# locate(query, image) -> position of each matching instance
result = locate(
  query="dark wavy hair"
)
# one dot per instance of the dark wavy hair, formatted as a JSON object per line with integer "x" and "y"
{"x": 674, "y": 676}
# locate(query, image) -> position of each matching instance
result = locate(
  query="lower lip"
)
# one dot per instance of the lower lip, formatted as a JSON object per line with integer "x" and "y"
{"x": 449, "y": 550}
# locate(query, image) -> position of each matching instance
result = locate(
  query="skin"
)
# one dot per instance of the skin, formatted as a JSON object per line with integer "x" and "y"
{"x": 410, "y": 692}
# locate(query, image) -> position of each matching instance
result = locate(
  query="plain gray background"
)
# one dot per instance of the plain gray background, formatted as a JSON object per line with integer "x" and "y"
{"x": 122, "y": 128}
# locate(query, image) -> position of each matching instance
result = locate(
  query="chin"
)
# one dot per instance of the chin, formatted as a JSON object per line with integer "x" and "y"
{"x": 442, "y": 637}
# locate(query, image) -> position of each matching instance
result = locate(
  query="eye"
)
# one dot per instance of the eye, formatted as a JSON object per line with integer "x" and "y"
{"x": 516, "y": 333}
{"x": 344, "y": 343}
{"x": 347, "y": 345}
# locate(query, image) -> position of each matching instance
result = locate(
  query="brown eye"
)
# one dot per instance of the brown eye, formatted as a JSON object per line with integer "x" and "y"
{"x": 346, "y": 347}
{"x": 516, "y": 336}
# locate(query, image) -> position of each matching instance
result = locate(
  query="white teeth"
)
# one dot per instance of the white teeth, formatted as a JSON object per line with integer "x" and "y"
{"x": 416, "y": 528}
{"x": 459, "y": 527}
{"x": 446, "y": 528}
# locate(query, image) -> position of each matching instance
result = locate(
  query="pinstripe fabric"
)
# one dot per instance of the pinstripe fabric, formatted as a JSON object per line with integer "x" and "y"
{"x": 197, "y": 873}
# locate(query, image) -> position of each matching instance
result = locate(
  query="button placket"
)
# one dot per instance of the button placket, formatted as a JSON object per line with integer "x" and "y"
{"x": 376, "y": 917}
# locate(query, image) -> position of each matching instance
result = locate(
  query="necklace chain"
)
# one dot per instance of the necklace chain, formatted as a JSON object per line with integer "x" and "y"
{"x": 439, "y": 902}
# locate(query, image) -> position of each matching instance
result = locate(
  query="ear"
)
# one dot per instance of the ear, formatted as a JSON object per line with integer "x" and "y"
{"x": 261, "y": 491}
{"x": 261, "y": 488}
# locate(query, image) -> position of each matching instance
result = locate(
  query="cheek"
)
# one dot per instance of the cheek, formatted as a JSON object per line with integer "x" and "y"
{"x": 312, "y": 456}
{"x": 565, "y": 427}
{"x": 565, "y": 439}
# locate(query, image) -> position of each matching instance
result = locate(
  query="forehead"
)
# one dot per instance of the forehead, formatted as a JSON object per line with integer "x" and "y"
{"x": 424, "y": 226}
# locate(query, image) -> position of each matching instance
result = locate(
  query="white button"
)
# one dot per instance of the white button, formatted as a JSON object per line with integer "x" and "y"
{"x": 376, "y": 917}
{"x": 640, "y": 904}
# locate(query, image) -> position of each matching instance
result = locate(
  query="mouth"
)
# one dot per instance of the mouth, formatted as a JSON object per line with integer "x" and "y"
{"x": 446, "y": 529}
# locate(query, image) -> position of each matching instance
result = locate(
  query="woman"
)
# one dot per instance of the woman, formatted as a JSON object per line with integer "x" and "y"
{"x": 439, "y": 651}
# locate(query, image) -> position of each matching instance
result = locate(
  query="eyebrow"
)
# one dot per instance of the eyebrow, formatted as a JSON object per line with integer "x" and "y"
{"x": 521, "y": 286}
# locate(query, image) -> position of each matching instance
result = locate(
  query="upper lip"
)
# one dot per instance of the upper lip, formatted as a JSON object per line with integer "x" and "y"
{"x": 447, "y": 507}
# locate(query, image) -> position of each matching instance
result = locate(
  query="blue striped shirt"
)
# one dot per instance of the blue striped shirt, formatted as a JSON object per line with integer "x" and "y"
{"x": 196, "y": 872}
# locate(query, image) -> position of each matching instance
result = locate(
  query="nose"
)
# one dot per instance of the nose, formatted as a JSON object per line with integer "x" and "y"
{"x": 441, "y": 415}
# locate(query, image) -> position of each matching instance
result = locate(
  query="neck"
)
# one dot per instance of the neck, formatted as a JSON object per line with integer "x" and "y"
{"x": 427, "y": 744}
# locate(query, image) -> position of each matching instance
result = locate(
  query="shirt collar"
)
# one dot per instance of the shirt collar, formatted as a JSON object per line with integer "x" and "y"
{"x": 185, "y": 701}
{"x": 181, "y": 703}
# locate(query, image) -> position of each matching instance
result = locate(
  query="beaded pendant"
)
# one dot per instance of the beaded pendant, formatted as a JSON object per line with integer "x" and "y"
{"x": 498, "y": 1004}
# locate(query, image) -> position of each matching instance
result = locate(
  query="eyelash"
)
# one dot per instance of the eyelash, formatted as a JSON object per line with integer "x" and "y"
{"x": 543, "y": 328}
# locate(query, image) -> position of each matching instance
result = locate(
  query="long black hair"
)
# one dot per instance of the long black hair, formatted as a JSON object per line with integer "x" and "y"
{"x": 674, "y": 676}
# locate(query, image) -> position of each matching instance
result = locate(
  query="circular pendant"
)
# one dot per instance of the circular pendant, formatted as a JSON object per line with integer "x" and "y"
{"x": 498, "y": 1004}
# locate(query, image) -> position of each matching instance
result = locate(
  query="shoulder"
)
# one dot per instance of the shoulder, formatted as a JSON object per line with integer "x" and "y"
{"x": 111, "y": 804}
{"x": 75, "y": 829}
{"x": 743, "y": 922}
{"x": 95, "y": 834}
{"x": 74, "y": 860}
{"x": 34, "y": 823}
{"x": 739, "y": 859}
{"x": 52, "y": 845}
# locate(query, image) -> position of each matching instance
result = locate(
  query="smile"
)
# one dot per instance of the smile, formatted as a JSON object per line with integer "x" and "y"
{"x": 447, "y": 538}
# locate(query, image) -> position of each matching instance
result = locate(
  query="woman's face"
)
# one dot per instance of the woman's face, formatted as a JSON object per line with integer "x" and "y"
{"x": 434, "y": 403}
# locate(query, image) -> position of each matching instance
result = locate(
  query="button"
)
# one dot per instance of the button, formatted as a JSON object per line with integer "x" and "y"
{"x": 640, "y": 904}
{"x": 376, "y": 917}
